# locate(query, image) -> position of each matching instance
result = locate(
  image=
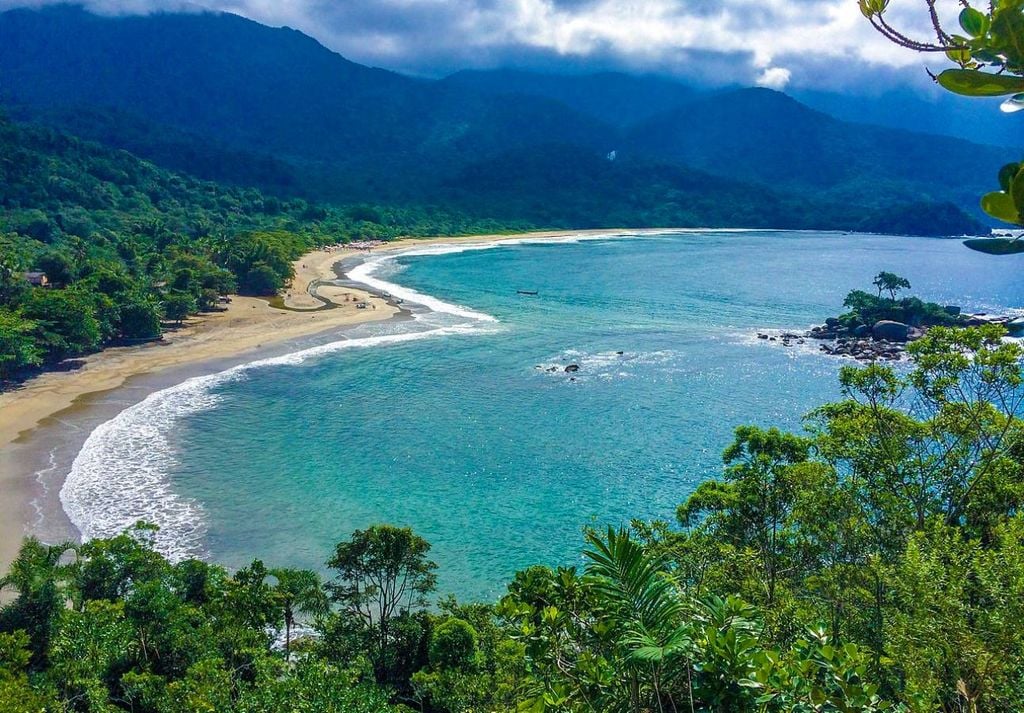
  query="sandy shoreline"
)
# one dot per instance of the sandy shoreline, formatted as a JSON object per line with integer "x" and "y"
{"x": 248, "y": 325}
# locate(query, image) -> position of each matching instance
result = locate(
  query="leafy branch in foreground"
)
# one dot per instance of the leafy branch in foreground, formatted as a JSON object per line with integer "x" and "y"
{"x": 988, "y": 49}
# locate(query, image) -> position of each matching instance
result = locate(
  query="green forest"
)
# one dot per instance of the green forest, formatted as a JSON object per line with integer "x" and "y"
{"x": 129, "y": 249}
{"x": 872, "y": 562}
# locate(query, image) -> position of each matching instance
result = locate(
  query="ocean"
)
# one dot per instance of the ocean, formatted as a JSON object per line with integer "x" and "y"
{"x": 461, "y": 421}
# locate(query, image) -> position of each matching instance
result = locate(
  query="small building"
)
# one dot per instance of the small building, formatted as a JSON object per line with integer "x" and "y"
{"x": 37, "y": 279}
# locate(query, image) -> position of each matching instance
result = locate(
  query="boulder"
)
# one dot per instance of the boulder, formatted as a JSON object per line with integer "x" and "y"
{"x": 890, "y": 331}
{"x": 1015, "y": 327}
{"x": 862, "y": 331}
{"x": 572, "y": 368}
{"x": 832, "y": 322}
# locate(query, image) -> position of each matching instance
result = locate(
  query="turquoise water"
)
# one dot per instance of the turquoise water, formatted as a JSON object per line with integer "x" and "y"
{"x": 499, "y": 463}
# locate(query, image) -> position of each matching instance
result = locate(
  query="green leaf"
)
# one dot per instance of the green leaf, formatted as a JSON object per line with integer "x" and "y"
{"x": 1017, "y": 191}
{"x": 869, "y": 8}
{"x": 1001, "y": 205}
{"x": 972, "y": 83}
{"x": 1008, "y": 34}
{"x": 960, "y": 55}
{"x": 995, "y": 246}
{"x": 975, "y": 23}
{"x": 1006, "y": 175}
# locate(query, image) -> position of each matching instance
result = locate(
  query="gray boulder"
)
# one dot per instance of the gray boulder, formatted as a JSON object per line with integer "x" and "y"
{"x": 862, "y": 331}
{"x": 572, "y": 368}
{"x": 890, "y": 331}
{"x": 1015, "y": 327}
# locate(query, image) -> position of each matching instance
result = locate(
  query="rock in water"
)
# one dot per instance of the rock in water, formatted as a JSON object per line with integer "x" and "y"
{"x": 890, "y": 331}
{"x": 1015, "y": 327}
{"x": 572, "y": 368}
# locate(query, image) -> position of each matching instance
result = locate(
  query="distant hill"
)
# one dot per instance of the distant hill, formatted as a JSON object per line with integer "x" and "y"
{"x": 223, "y": 98}
{"x": 973, "y": 119}
{"x": 765, "y": 136}
{"x": 617, "y": 99}
{"x": 259, "y": 89}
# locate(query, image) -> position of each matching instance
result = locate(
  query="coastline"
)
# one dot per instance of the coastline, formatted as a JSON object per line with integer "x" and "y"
{"x": 247, "y": 327}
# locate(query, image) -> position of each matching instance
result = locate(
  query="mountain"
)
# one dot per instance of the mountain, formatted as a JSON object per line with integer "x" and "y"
{"x": 259, "y": 89}
{"x": 220, "y": 97}
{"x": 617, "y": 99}
{"x": 974, "y": 119}
{"x": 765, "y": 136}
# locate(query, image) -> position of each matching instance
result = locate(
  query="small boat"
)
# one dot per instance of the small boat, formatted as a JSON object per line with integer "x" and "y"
{"x": 526, "y": 292}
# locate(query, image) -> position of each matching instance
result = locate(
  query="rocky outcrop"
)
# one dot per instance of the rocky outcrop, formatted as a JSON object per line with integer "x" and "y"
{"x": 886, "y": 339}
{"x": 890, "y": 331}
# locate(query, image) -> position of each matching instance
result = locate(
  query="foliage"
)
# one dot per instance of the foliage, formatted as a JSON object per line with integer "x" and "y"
{"x": 124, "y": 243}
{"x": 867, "y": 309}
{"x": 988, "y": 49}
{"x": 383, "y": 577}
{"x": 891, "y": 283}
{"x": 873, "y": 563}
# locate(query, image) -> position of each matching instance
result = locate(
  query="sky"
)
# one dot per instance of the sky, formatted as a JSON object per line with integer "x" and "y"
{"x": 810, "y": 44}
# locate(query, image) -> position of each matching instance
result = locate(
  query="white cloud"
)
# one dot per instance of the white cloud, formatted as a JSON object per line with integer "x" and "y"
{"x": 671, "y": 36}
{"x": 773, "y": 78}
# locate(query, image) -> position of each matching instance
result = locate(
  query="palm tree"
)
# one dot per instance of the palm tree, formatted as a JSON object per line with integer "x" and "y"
{"x": 649, "y": 614}
{"x": 36, "y": 575}
{"x": 36, "y": 566}
{"x": 299, "y": 592}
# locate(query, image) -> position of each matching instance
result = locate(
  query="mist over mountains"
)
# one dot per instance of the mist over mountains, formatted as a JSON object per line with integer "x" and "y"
{"x": 227, "y": 99}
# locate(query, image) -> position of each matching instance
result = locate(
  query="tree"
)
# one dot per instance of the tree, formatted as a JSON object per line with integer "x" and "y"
{"x": 177, "y": 306}
{"x": 453, "y": 644}
{"x": 18, "y": 346}
{"x": 988, "y": 49}
{"x": 382, "y": 572}
{"x": 298, "y": 591}
{"x": 66, "y": 322}
{"x": 753, "y": 506}
{"x": 140, "y": 318}
{"x": 261, "y": 279}
{"x": 890, "y": 283}
{"x": 36, "y": 576}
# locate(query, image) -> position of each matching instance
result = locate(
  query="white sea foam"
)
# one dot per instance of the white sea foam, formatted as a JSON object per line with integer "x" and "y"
{"x": 120, "y": 476}
{"x": 604, "y": 365}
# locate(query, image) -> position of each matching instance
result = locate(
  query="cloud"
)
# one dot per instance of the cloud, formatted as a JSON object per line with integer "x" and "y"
{"x": 774, "y": 78}
{"x": 710, "y": 41}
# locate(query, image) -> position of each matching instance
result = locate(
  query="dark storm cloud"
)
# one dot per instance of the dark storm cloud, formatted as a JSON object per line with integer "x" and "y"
{"x": 813, "y": 42}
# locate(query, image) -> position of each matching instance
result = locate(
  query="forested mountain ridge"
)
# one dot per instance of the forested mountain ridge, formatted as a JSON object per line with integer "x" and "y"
{"x": 315, "y": 124}
{"x": 763, "y": 135}
{"x": 272, "y": 91}
{"x": 126, "y": 245}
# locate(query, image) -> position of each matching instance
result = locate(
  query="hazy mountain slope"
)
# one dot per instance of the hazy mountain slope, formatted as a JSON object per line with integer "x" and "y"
{"x": 275, "y": 91}
{"x": 219, "y": 96}
{"x": 973, "y": 119}
{"x": 615, "y": 98}
{"x": 569, "y": 187}
{"x": 763, "y": 135}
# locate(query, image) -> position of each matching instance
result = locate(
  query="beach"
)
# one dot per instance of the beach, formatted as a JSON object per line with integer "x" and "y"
{"x": 247, "y": 326}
